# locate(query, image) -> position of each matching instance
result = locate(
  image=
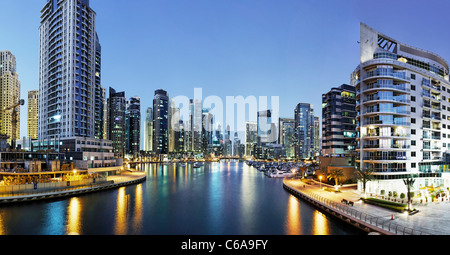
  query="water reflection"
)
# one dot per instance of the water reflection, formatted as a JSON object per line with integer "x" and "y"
{"x": 320, "y": 224}
{"x": 138, "y": 209}
{"x": 73, "y": 217}
{"x": 218, "y": 198}
{"x": 293, "y": 217}
{"x": 2, "y": 226}
{"x": 121, "y": 212}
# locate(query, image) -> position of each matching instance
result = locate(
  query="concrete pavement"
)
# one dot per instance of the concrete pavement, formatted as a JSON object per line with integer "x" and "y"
{"x": 432, "y": 218}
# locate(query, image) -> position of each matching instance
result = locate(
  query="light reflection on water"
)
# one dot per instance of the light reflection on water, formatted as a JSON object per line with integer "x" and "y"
{"x": 219, "y": 198}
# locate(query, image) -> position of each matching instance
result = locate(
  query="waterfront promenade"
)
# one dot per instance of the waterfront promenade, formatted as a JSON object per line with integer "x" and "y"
{"x": 114, "y": 181}
{"x": 432, "y": 219}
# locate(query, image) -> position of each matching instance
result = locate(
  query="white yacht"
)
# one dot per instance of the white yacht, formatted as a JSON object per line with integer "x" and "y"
{"x": 279, "y": 174}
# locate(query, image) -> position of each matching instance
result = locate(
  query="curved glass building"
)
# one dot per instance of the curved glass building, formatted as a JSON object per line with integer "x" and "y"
{"x": 403, "y": 105}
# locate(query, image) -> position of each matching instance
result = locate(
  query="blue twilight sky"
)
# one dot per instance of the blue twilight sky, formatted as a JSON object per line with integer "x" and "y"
{"x": 296, "y": 50}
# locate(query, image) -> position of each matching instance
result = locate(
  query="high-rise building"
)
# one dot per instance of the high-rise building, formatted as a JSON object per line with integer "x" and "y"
{"x": 69, "y": 71}
{"x": 117, "y": 121}
{"x": 197, "y": 126}
{"x": 339, "y": 121}
{"x": 32, "y": 114}
{"x": 317, "y": 142}
{"x": 9, "y": 96}
{"x": 266, "y": 135}
{"x": 286, "y": 136}
{"x": 251, "y": 135}
{"x": 207, "y": 129}
{"x": 161, "y": 122}
{"x": 148, "y": 130}
{"x": 179, "y": 137}
{"x": 105, "y": 115}
{"x": 133, "y": 126}
{"x": 403, "y": 105}
{"x": 304, "y": 130}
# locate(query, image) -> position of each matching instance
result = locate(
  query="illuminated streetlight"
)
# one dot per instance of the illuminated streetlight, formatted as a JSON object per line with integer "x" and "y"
{"x": 320, "y": 178}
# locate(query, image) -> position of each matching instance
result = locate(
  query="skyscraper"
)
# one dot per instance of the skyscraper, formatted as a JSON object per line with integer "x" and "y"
{"x": 286, "y": 136}
{"x": 197, "y": 125}
{"x": 250, "y": 138}
{"x": 32, "y": 114}
{"x": 133, "y": 126}
{"x": 317, "y": 142}
{"x": 304, "y": 130}
{"x": 117, "y": 121}
{"x": 403, "y": 105}
{"x": 148, "y": 130}
{"x": 161, "y": 122}
{"x": 9, "y": 96}
{"x": 338, "y": 121}
{"x": 69, "y": 71}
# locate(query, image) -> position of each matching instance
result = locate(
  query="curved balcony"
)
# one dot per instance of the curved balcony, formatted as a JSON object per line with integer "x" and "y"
{"x": 382, "y": 147}
{"x": 377, "y": 136}
{"x": 389, "y": 87}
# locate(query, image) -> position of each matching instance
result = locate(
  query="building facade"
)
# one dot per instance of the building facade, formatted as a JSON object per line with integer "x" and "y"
{"x": 161, "y": 122}
{"x": 9, "y": 96}
{"x": 133, "y": 126}
{"x": 148, "y": 130}
{"x": 286, "y": 136}
{"x": 32, "y": 114}
{"x": 250, "y": 138}
{"x": 304, "y": 131}
{"x": 69, "y": 71}
{"x": 403, "y": 105}
{"x": 339, "y": 121}
{"x": 117, "y": 121}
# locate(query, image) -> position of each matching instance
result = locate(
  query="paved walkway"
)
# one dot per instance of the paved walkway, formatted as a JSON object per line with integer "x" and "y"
{"x": 432, "y": 218}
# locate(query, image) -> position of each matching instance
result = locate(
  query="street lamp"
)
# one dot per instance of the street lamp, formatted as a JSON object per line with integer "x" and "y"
{"x": 320, "y": 178}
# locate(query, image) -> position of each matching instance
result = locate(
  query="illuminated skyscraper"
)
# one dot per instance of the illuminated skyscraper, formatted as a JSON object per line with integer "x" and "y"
{"x": 338, "y": 121}
{"x": 148, "y": 130}
{"x": 117, "y": 121}
{"x": 403, "y": 105}
{"x": 32, "y": 114}
{"x": 304, "y": 130}
{"x": 9, "y": 95}
{"x": 161, "y": 122}
{"x": 133, "y": 126}
{"x": 69, "y": 71}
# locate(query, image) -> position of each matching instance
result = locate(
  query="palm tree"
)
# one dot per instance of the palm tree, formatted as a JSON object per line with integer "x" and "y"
{"x": 364, "y": 175}
{"x": 409, "y": 182}
{"x": 337, "y": 175}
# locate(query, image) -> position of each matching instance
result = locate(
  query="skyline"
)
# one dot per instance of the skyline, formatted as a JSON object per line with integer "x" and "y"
{"x": 202, "y": 45}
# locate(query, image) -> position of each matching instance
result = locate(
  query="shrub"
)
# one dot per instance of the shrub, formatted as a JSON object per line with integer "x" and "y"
{"x": 382, "y": 192}
{"x": 402, "y": 195}
{"x": 385, "y": 204}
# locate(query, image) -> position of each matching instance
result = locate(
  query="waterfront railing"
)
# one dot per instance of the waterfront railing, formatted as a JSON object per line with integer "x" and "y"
{"x": 382, "y": 223}
{"x": 60, "y": 187}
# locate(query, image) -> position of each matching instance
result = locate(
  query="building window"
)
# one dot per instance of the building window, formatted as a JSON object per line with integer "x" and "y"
{"x": 413, "y": 76}
{"x": 413, "y": 153}
{"x": 413, "y": 165}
